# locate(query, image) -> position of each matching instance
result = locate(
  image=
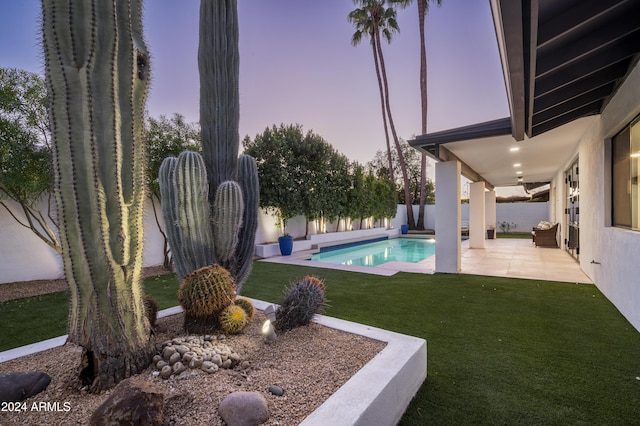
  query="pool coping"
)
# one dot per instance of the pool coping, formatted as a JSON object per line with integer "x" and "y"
{"x": 378, "y": 394}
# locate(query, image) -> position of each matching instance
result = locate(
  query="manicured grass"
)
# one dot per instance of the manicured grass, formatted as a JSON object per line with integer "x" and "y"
{"x": 500, "y": 351}
{"x": 32, "y": 319}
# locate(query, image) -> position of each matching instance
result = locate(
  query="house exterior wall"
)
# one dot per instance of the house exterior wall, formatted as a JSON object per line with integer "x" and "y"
{"x": 608, "y": 255}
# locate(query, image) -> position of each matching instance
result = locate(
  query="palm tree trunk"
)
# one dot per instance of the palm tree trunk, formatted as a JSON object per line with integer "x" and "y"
{"x": 403, "y": 166}
{"x": 384, "y": 114}
{"x": 422, "y": 10}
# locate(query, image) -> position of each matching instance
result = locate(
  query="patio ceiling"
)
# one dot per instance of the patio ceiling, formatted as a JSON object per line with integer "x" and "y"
{"x": 540, "y": 157}
{"x": 562, "y": 60}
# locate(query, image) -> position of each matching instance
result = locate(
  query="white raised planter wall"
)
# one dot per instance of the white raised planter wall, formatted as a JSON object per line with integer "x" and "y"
{"x": 378, "y": 394}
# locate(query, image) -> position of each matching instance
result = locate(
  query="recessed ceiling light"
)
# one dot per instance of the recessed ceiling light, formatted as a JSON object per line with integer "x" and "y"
{"x": 514, "y": 149}
{"x": 517, "y": 165}
{"x": 519, "y": 172}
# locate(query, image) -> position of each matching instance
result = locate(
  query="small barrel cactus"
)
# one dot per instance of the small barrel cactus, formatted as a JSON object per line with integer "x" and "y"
{"x": 204, "y": 294}
{"x": 247, "y": 305}
{"x": 301, "y": 302}
{"x": 233, "y": 319}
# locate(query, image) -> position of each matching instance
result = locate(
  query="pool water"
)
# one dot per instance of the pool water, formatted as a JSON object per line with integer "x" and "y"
{"x": 378, "y": 253}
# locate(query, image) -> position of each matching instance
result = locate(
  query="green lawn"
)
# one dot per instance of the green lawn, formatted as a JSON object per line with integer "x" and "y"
{"x": 500, "y": 351}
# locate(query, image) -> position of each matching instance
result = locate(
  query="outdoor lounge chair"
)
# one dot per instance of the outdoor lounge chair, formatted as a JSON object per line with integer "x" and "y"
{"x": 545, "y": 237}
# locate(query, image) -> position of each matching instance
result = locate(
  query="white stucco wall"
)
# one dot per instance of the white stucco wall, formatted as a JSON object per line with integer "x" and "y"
{"x": 615, "y": 249}
{"x": 24, "y": 257}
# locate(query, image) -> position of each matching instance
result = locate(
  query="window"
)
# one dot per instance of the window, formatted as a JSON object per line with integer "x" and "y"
{"x": 625, "y": 164}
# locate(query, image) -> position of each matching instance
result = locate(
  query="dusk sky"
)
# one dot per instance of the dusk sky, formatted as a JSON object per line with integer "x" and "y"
{"x": 297, "y": 65}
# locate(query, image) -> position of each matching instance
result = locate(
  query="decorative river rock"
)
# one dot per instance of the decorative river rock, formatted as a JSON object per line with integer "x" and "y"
{"x": 206, "y": 353}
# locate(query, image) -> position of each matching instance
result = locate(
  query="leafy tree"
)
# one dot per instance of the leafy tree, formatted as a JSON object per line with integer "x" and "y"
{"x": 358, "y": 197}
{"x": 25, "y": 169}
{"x": 166, "y": 137}
{"x": 374, "y": 19}
{"x": 319, "y": 178}
{"x": 279, "y": 187}
{"x": 386, "y": 199}
{"x": 299, "y": 174}
{"x": 412, "y": 159}
{"x": 337, "y": 185}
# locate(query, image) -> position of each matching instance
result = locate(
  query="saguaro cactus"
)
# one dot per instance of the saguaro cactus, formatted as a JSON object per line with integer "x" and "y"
{"x": 97, "y": 72}
{"x": 233, "y": 181}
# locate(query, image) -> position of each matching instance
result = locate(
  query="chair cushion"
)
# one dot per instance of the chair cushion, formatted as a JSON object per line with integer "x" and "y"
{"x": 544, "y": 225}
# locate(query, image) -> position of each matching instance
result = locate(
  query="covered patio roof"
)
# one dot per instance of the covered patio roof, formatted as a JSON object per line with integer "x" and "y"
{"x": 562, "y": 60}
{"x": 490, "y": 157}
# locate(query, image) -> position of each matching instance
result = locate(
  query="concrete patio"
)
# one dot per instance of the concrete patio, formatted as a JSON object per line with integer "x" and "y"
{"x": 502, "y": 257}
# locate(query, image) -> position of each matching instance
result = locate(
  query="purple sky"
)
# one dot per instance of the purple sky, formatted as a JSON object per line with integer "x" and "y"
{"x": 297, "y": 65}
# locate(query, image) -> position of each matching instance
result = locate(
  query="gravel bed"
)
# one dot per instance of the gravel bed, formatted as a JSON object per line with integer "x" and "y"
{"x": 308, "y": 363}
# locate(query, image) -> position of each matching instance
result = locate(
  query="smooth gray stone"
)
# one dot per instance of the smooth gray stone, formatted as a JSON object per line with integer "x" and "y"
{"x": 20, "y": 386}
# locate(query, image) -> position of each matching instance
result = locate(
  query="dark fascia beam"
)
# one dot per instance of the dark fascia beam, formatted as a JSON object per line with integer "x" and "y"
{"x": 499, "y": 127}
{"x": 432, "y": 144}
{"x": 510, "y": 17}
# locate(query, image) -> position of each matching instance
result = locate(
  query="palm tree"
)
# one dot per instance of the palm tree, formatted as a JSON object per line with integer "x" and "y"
{"x": 365, "y": 26}
{"x": 373, "y": 18}
{"x": 423, "y": 8}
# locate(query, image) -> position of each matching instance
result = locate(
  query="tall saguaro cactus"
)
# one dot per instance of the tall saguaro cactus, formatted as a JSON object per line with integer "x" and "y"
{"x": 97, "y": 69}
{"x": 233, "y": 190}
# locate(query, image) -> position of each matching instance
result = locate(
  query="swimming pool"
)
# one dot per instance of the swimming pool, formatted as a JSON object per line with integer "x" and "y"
{"x": 410, "y": 250}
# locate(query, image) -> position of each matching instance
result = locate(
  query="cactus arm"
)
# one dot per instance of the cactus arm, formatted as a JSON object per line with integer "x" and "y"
{"x": 233, "y": 195}
{"x": 219, "y": 66}
{"x": 227, "y": 219}
{"x": 192, "y": 211}
{"x": 169, "y": 213}
{"x": 248, "y": 180}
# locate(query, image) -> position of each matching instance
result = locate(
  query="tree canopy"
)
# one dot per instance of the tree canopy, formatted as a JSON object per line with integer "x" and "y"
{"x": 413, "y": 164}
{"x": 168, "y": 137}
{"x": 302, "y": 174}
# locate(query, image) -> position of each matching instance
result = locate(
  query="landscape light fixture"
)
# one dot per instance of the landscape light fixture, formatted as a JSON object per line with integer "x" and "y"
{"x": 268, "y": 331}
